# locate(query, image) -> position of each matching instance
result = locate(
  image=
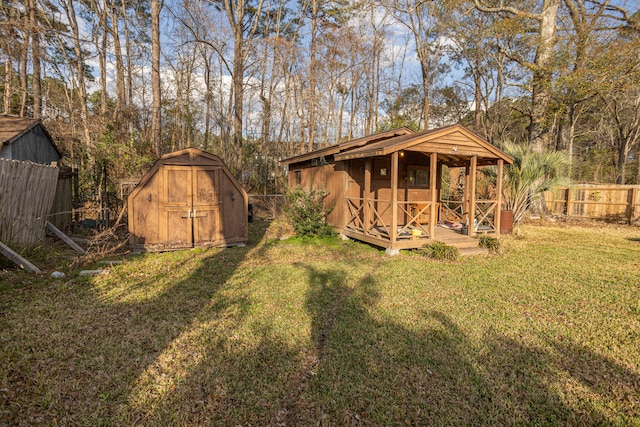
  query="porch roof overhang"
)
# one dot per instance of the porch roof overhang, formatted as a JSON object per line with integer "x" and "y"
{"x": 349, "y": 145}
{"x": 454, "y": 144}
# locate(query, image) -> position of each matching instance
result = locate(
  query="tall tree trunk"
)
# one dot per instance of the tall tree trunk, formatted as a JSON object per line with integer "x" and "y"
{"x": 117, "y": 50}
{"x": 477, "y": 87}
{"x": 538, "y": 130}
{"x": 128, "y": 53}
{"x": 238, "y": 92}
{"x": 426, "y": 85}
{"x": 156, "y": 114}
{"x": 35, "y": 60}
{"x": 102, "y": 58}
{"x": 24, "y": 56}
{"x": 78, "y": 61}
{"x": 208, "y": 99}
{"x": 237, "y": 11}
{"x": 542, "y": 74}
{"x": 622, "y": 159}
{"x": 8, "y": 78}
{"x": 312, "y": 74}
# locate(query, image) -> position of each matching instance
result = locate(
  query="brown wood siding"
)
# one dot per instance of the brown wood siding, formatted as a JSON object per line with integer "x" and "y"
{"x": 144, "y": 213}
{"x": 335, "y": 201}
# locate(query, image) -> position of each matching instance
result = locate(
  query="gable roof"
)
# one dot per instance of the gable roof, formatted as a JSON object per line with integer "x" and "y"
{"x": 13, "y": 127}
{"x": 186, "y": 157}
{"x": 348, "y": 145}
{"x": 453, "y": 142}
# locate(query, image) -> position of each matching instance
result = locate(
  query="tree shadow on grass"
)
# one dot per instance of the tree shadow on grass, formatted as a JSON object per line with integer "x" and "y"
{"x": 78, "y": 352}
{"x": 210, "y": 350}
{"x": 374, "y": 371}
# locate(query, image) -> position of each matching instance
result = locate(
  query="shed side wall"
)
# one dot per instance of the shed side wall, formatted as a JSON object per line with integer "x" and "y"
{"x": 34, "y": 146}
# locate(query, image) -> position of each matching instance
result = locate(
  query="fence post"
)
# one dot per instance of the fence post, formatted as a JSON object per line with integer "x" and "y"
{"x": 631, "y": 208}
{"x": 569, "y": 202}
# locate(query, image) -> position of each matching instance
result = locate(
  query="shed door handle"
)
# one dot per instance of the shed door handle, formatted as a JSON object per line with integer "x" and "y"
{"x": 188, "y": 214}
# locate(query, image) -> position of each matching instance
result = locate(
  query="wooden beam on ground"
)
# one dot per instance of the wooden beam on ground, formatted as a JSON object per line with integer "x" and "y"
{"x": 73, "y": 245}
{"x": 18, "y": 260}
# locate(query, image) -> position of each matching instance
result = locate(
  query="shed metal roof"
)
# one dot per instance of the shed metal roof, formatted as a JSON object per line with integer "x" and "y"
{"x": 349, "y": 145}
{"x": 454, "y": 142}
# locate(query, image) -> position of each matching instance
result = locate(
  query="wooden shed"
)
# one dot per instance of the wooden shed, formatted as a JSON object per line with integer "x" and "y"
{"x": 188, "y": 199}
{"x": 25, "y": 139}
{"x": 386, "y": 189}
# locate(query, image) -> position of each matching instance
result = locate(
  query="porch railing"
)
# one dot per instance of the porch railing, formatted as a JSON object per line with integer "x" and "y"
{"x": 378, "y": 208}
{"x": 485, "y": 213}
{"x": 452, "y": 210}
{"x": 357, "y": 222}
{"x": 414, "y": 211}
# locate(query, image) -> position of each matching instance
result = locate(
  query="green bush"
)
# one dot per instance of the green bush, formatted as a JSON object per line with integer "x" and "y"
{"x": 494, "y": 245}
{"x": 306, "y": 212}
{"x": 440, "y": 251}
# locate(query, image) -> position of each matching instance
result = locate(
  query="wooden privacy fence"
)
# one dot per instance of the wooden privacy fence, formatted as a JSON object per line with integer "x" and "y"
{"x": 61, "y": 215}
{"x": 27, "y": 191}
{"x": 598, "y": 201}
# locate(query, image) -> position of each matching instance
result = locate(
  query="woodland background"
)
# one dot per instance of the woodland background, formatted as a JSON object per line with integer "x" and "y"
{"x": 119, "y": 82}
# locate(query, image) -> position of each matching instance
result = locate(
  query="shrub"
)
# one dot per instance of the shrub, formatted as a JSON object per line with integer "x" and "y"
{"x": 494, "y": 245}
{"x": 306, "y": 212}
{"x": 440, "y": 251}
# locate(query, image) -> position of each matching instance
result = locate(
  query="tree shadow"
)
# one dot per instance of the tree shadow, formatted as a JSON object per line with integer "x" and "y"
{"x": 82, "y": 349}
{"x": 323, "y": 346}
{"x": 375, "y": 371}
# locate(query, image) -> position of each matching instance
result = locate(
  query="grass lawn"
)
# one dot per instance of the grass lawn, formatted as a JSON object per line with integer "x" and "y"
{"x": 332, "y": 333}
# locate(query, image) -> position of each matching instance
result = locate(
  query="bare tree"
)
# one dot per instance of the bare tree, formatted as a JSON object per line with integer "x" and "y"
{"x": 156, "y": 115}
{"x": 242, "y": 16}
{"x": 423, "y": 22}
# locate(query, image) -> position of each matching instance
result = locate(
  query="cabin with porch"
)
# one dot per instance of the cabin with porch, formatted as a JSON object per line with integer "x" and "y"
{"x": 401, "y": 189}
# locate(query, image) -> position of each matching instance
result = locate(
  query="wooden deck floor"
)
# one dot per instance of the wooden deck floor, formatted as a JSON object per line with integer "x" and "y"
{"x": 453, "y": 238}
{"x": 450, "y": 237}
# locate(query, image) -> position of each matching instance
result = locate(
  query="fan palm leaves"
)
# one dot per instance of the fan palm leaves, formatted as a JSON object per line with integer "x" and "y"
{"x": 531, "y": 174}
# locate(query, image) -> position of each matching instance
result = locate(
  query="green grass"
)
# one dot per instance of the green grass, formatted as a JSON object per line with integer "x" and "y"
{"x": 306, "y": 332}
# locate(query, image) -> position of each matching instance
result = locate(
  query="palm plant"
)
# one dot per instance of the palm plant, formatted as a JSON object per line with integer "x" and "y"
{"x": 531, "y": 174}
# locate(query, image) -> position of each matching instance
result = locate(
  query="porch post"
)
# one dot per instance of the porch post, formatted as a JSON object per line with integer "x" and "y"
{"x": 433, "y": 175}
{"x": 394, "y": 198}
{"x": 498, "y": 213}
{"x": 367, "y": 194}
{"x": 465, "y": 195}
{"x": 472, "y": 195}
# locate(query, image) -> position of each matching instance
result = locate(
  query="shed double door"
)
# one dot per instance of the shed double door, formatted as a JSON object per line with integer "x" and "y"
{"x": 191, "y": 205}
